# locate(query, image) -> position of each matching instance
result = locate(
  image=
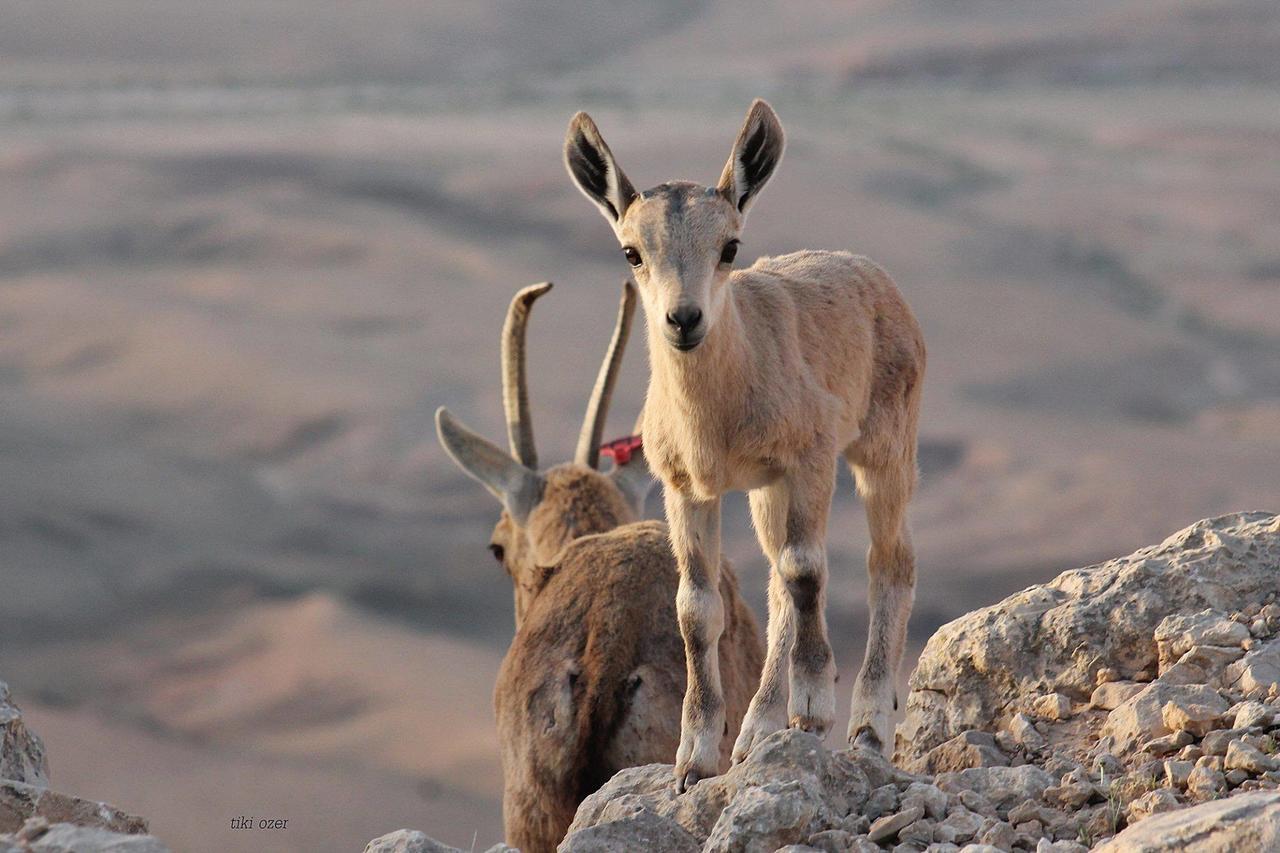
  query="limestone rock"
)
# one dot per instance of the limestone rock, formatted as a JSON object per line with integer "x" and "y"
{"x": 1002, "y": 786}
{"x": 407, "y": 841}
{"x": 889, "y": 826}
{"x": 1257, "y": 671}
{"x": 20, "y": 801}
{"x": 1113, "y": 694}
{"x": 765, "y": 818}
{"x": 1152, "y": 802}
{"x": 70, "y": 838}
{"x": 1141, "y": 718}
{"x": 643, "y": 829}
{"x": 22, "y": 757}
{"x": 1243, "y": 756}
{"x": 1051, "y": 706}
{"x": 1252, "y": 714}
{"x": 1056, "y": 637}
{"x": 1204, "y": 782}
{"x": 1179, "y": 633}
{"x": 789, "y": 782}
{"x": 1243, "y": 822}
{"x": 1198, "y": 718}
{"x": 967, "y": 749}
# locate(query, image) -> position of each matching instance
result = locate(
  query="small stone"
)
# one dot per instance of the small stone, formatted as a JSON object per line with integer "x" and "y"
{"x": 1253, "y": 713}
{"x": 1215, "y": 743}
{"x": 882, "y": 801}
{"x": 1062, "y": 846}
{"x": 1152, "y": 802}
{"x": 968, "y": 749}
{"x": 1024, "y": 731}
{"x": 1006, "y": 740}
{"x": 1235, "y": 778}
{"x": 1257, "y": 671}
{"x": 831, "y": 841}
{"x": 965, "y": 824}
{"x": 1168, "y": 743}
{"x": 1024, "y": 811}
{"x": 1029, "y": 828}
{"x": 1213, "y": 762}
{"x": 1205, "y": 783}
{"x": 1243, "y": 756}
{"x": 930, "y": 797}
{"x": 1105, "y": 675}
{"x": 1052, "y": 706}
{"x": 856, "y": 824}
{"x": 999, "y": 835}
{"x": 1260, "y": 628}
{"x": 1176, "y": 772}
{"x": 890, "y": 825}
{"x": 1190, "y": 753}
{"x": 977, "y": 803}
{"x": 1107, "y": 764}
{"x": 919, "y": 832}
{"x": 1112, "y": 694}
{"x": 1071, "y": 795}
{"x": 1198, "y": 718}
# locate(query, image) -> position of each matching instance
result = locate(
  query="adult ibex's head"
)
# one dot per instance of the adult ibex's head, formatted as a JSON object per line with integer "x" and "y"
{"x": 680, "y": 238}
{"x": 544, "y": 511}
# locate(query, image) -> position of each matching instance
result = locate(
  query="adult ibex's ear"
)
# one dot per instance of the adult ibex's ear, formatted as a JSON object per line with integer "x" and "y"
{"x": 516, "y": 486}
{"x": 593, "y": 169}
{"x": 756, "y": 154}
{"x": 634, "y": 480}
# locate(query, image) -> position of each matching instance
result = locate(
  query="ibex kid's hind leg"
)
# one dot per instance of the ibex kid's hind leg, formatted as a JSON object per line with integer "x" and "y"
{"x": 885, "y": 489}
{"x": 767, "y": 712}
{"x": 695, "y": 538}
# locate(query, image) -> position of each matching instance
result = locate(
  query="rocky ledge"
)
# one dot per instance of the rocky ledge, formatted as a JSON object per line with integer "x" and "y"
{"x": 1128, "y": 706}
{"x": 35, "y": 819}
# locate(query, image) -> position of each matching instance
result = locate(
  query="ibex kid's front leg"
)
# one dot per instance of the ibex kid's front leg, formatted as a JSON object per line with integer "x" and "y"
{"x": 695, "y": 538}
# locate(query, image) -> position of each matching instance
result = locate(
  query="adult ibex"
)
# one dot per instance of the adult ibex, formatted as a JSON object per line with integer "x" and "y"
{"x": 594, "y": 677}
{"x": 760, "y": 378}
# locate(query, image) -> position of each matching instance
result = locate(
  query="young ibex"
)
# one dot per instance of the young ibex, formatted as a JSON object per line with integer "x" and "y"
{"x": 760, "y": 378}
{"x": 594, "y": 677}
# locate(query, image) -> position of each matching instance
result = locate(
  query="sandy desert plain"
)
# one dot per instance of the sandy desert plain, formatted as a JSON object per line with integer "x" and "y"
{"x": 247, "y": 249}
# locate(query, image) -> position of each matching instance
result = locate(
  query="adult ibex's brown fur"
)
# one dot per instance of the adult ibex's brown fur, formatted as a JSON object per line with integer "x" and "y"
{"x": 594, "y": 677}
{"x": 760, "y": 379}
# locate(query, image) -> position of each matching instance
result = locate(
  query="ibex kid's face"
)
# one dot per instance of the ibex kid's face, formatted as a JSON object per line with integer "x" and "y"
{"x": 680, "y": 238}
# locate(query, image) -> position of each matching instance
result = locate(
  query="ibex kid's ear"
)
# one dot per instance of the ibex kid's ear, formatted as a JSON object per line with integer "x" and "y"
{"x": 755, "y": 155}
{"x": 593, "y": 169}
{"x": 519, "y": 488}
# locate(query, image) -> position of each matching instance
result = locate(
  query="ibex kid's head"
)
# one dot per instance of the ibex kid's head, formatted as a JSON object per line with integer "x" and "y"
{"x": 679, "y": 238}
{"x": 544, "y": 511}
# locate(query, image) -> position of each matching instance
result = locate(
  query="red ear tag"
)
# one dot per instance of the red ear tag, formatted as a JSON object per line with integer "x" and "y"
{"x": 620, "y": 449}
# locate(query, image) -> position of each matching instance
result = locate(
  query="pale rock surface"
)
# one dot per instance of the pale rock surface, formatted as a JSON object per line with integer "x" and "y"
{"x": 20, "y": 801}
{"x": 1057, "y": 637}
{"x": 70, "y": 838}
{"x": 1239, "y": 823}
{"x": 22, "y": 756}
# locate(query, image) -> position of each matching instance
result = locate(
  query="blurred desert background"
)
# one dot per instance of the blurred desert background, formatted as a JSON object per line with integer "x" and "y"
{"x": 247, "y": 248}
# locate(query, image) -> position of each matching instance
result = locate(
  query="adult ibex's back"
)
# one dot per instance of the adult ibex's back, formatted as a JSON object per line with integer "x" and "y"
{"x": 594, "y": 677}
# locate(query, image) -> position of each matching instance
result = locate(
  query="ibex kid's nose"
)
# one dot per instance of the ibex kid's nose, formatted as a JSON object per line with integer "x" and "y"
{"x": 685, "y": 319}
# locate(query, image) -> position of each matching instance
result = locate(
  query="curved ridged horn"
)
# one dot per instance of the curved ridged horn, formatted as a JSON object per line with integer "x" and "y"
{"x": 515, "y": 385}
{"x": 588, "y": 452}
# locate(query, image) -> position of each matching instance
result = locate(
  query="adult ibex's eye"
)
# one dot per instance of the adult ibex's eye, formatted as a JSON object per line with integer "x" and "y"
{"x": 498, "y": 552}
{"x": 632, "y": 256}
{"x": 729, "y": 252}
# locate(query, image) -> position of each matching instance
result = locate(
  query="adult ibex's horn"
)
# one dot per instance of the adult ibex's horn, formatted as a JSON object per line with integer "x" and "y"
{"x": 588, "y": 452}
{"x": 515, "y": 385}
